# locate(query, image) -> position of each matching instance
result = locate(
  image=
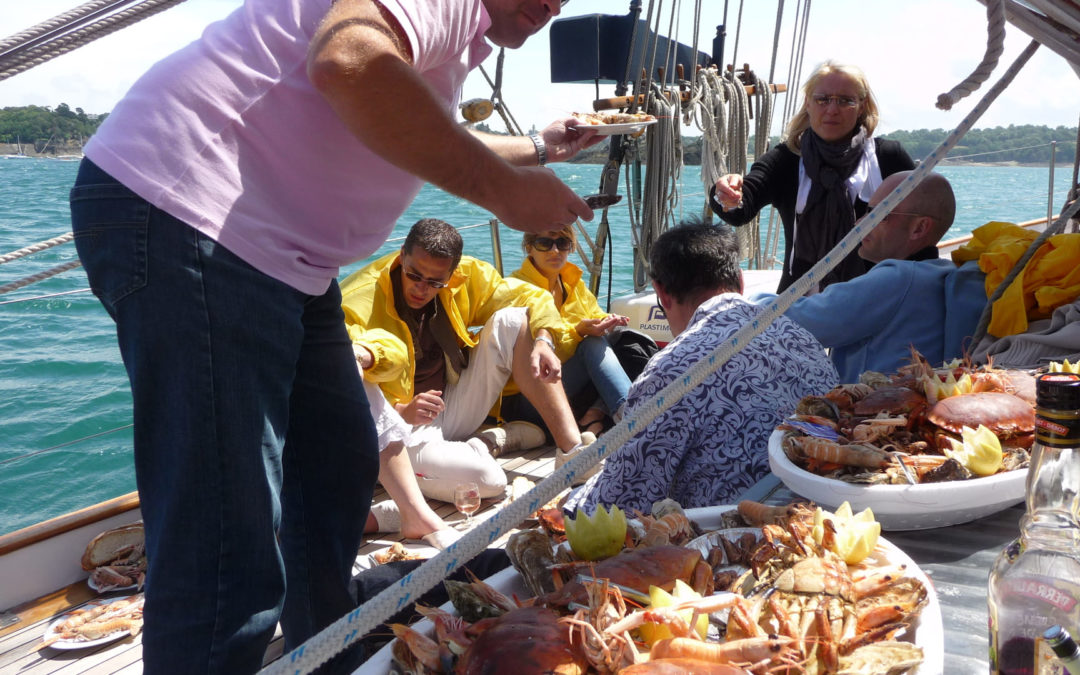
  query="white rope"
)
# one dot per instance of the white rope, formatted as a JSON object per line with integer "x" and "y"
{"x": 58, "y": 21}
{"x": 35, "y": 248}
{"x": 362, "y": 620}
{"x": 995, "y": 45}
{"x": 738, "y": 135}
{"x": 51, "y": 272}
{"x": 708, "y": 112}
{"x": 18, "y": 62}
{"x": 764, "y": 96}
{"x": 660, "y": 194}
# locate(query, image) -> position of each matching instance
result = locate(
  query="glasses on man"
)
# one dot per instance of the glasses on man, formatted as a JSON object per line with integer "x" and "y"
{"x": 434, "y": 283}
{"x": 894, "y": 212}
{"x": 544, "y": 244}
{"x": 823, "y": 101}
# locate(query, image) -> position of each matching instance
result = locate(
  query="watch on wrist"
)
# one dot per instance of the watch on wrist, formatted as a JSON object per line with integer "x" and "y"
{"x": 541, "y": 149}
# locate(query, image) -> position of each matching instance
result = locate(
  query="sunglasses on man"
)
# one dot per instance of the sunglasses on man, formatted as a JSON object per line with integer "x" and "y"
{"x": 544, "y": 244}
{"x": 434, "y": 283}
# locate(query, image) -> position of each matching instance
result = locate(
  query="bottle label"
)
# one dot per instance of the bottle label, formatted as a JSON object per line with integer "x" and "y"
{"x": 1045, "y": 590}
{"x": 1057, "y": 429}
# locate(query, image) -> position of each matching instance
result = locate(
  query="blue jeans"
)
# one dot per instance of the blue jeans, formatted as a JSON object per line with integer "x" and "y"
{"x": 594, "y": 362}
{"x": 255, "y": 453}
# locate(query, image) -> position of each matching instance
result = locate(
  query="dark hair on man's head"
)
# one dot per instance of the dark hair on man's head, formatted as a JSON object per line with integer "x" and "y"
{"x": 694, "y": 257}
{"x": 435, "y": 237}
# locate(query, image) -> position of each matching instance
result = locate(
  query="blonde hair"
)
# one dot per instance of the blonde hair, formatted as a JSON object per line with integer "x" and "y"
{"x": 529, "y": 237}
{"x": 868, "y": 117}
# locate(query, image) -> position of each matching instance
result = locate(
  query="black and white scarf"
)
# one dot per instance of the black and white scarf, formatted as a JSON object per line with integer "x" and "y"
{"x": 829, "y": 214}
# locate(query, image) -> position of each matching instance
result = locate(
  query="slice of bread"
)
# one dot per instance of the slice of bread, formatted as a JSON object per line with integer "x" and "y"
{"x": 112, "y": 544}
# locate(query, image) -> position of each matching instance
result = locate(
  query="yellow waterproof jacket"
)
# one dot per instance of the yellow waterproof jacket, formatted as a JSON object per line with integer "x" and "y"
{"x": 1050, "y": 279}
{"x": 579, "y": 303}
{"x": 473, "y": 294}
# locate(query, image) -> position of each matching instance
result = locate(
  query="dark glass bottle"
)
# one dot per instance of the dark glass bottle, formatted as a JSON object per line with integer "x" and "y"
{"x": 1035, "y": 581}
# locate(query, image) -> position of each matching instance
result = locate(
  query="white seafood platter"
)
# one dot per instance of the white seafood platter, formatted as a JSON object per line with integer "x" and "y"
{"x": 926, "y": 632}
{"x": 904, "y": 507}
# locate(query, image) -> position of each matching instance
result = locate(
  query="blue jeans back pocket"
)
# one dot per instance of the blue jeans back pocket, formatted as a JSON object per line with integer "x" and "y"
{"x": 110, "y": 224}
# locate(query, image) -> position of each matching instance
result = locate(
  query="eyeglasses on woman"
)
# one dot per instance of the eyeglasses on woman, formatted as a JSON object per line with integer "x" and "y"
{"x": 823, "y": 101}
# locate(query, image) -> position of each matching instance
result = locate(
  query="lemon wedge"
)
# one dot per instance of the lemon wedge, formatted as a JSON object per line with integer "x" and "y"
{"x": 598, "y": 536}
{"x": 937, "y": 389}
{"x": 658, "y": 597}
{"x": 856, "y": 534}
{"x": 1066, "y": 367}
{"x": 979, "y": 451}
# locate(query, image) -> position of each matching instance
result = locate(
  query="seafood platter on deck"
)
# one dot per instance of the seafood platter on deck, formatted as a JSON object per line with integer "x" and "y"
{"x": 923, "y": 448}
{"x": 752, "y": 589}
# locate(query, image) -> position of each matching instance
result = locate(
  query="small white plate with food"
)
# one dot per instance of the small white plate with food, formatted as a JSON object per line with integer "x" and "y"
{"x": 611, "y": 124}
{"x": 97, "y": 622}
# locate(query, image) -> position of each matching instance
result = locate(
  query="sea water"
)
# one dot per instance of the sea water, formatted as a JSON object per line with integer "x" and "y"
{"x": 65, "y": 406}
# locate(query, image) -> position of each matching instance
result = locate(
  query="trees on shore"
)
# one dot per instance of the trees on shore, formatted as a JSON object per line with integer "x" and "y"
{"x": 38, "y": 126}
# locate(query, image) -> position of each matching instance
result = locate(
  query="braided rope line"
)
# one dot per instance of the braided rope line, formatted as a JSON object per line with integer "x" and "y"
{"x": 763, "y": 94}
{"x": 995, "y": 45}
{"x": 362, "y": 620}
{"x": 51, "y": 272}
{"x": 58, "y": 21}
{"x": 35, "y": 248}
{"x": 66, "y": 43}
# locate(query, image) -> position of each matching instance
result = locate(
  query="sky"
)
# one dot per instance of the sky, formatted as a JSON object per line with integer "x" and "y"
{"x": 910, "y": 51}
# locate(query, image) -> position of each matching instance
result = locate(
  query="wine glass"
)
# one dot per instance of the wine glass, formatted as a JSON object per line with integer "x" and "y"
{"x": 467, "y": 499}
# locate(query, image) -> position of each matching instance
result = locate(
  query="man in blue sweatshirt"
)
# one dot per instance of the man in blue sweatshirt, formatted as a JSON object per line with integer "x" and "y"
{"x": 910, "y": 298}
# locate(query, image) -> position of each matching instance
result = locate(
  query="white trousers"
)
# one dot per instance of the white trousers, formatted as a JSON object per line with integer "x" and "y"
{"x": 442, "y": 452}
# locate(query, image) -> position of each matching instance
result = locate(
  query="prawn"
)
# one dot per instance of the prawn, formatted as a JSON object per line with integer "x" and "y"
{"x": 850, "y": 455}
{"x": 751, "y": 652}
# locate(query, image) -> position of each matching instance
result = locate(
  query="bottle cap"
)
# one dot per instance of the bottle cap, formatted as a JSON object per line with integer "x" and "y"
{"x": 1058, "y": 391}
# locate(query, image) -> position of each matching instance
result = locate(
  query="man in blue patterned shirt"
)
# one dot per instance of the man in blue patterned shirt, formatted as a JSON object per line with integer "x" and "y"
{"x": 712, "y": 444}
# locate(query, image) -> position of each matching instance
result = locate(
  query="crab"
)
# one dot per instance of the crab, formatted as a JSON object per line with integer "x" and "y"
{"x": 1012, "y": 419}
{"x": 892, "y": 400}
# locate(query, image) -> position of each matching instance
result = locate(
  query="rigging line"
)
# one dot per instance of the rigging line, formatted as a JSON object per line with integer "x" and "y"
{"x": 35, "y": 248}
{"x": 33, "y": 278}
{"x": 646, "y": 86}
{"x": 65, "y": 444}
{"x": 995, "y": 152}
{"x": 620, "y": 87}
{"x": 98, "y": 29}
{"x": 776, "y": 39}
{"x": 1073, "y": 193}
{"x": 995, "y": 45}
{"x": 360, "y": 621}
{"x": 735, "y": 50}
{"x": 46, "y": 296}
{"x": 65, "y": 20}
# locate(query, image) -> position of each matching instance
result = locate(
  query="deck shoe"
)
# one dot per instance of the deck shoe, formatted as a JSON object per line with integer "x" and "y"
{"x": 512, "y": 437}
{"x": 587, "y": 439}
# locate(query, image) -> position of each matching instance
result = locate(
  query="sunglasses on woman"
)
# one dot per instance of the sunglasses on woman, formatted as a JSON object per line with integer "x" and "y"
{"x": 544, "y": 244}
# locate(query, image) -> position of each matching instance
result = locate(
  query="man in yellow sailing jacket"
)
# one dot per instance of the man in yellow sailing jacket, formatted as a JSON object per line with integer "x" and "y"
{"x": 409, "y": 315}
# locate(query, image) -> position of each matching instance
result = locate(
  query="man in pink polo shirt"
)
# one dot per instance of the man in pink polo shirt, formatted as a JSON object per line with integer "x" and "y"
{"x": 212, "y": 214}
